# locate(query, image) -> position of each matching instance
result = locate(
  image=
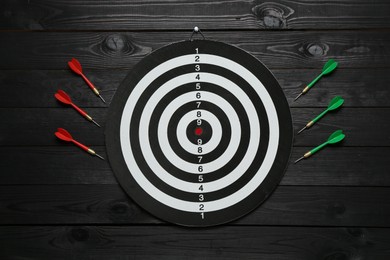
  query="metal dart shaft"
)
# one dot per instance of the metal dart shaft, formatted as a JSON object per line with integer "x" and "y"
{"x": 94, "y": 89}
{"x": 303, "y": 92}
{"x": 299, "y": 159}
{"x": 300, "y": 94}
{"x": 91, "y": 119}
{"x": 99, "y": 156}
{"x": 95, "y": 123}
{"x": 94, "y": 153}
{"x": 102, "y": 99}
{"x": 300, "y": 131}
{"x": 306, "y": 155}
{"x": 306, "y": 127}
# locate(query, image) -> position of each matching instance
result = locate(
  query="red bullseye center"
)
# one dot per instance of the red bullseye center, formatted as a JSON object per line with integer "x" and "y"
{"x": 198, "y": 131}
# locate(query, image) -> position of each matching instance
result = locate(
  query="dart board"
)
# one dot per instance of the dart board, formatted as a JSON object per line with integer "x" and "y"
{"x": 199, "y": 133}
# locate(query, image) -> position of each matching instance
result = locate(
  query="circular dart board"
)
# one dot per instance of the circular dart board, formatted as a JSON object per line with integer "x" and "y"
{"x": 199, "y": 133}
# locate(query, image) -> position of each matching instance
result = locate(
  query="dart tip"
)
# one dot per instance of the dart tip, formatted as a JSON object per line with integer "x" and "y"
{"x": 101, "y": 157}
{"x": 299, "y": 159}
{"x": 95, "y": 123}
{"x": 102, "y": 99}
{"x": 300, "y": 94}
{"x": 300, "y": 131}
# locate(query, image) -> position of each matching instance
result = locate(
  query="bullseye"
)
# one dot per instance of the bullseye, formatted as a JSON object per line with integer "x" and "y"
{"x": 199, "y": 133}
{"x": 204, "y": 132}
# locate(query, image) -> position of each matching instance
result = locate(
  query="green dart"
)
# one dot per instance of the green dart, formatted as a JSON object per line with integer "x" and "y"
{"x": 335, "y": 103}
{"x": 336, "y": 137}
{"x": 328, "y": 68}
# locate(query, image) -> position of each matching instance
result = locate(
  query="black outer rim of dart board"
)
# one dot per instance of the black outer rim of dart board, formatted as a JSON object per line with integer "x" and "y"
{"x": 241, "y": 208}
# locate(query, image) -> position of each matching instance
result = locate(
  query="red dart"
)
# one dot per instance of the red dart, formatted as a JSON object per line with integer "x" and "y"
{"x": 65, "y": 136}
{"x": 75, "y": 66}
{"x": 64, "y": 98}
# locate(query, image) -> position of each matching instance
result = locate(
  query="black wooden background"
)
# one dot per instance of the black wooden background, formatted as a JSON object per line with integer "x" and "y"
{"x": 57, "y": 202}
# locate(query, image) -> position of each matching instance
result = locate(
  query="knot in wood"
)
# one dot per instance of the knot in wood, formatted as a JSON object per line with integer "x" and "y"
{"x": 337, "y": 256}
{"x": 315, "y": 49}
{"x": 272, "y": 15}
{"x": 117, "y": 43}
{"x": 80, "y": 234}
{"x": 356, "y": 232}
{"x": 120, "y": 208}
{"x": 7, "y": 13}
{"x": 336, "y": 209}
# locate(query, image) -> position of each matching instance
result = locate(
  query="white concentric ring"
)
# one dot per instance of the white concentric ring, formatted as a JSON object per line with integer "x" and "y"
{"x": 181, "y": 132}
{"x": 231, "y": 177}
{"x": 226, "y": 156}
{"x": 231, "y": 199}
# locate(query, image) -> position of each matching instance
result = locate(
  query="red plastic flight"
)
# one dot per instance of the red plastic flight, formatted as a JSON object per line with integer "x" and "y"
{"x": 65, "y": 98}
{"x": 66, "y": 136}
{"x": 75, "y": 66}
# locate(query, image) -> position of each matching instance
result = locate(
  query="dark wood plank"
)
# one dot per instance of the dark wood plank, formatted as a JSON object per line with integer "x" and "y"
{"x": 36, "y": 126}
{"x": 53, "y": 165}
{"x": 359, "y": 87}
{"x": 336, "y": 166}
{"x": 30, "y": 125}
{"x": 362, "y": 127}
{"x": 107, "y": 204}
{"x": 291, "y": 49}
{"x": 339, "y": 166}
{"x": 56, "y": 204}
{"x": 35, "y": 88}
{"x": 149, "y": 242}
{"x": 173, "y": 15}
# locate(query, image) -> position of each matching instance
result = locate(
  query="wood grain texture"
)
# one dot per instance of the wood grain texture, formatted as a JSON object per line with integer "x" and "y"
{"x": 43, "y": 122}
{"x": 58, "y": 202}
{"x": 273, "y": 243}
{"x": 276, "y": 49}
{"x": 335, "y": 166}
{"x": 35, "y": 88}
{"x": 174, "y": 15}
{"x": 108, "y": 204}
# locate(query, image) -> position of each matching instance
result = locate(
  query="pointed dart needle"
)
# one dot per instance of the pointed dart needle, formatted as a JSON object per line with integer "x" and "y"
{"x": 65, "y": 98}
{"x": 330, "y": 66}
{"x": 66, "y": 136}
{"x": 300, "y": 131}
{"x": 335, "y": 137}
{"x": 300, "y": 94}
{"x": 102, "y": 98}
{"x": 99, "y": 156}
{"x": 335, "y": 103}
{"x": 93, "y": 121}
{"x": 303, "y": 157}
{"x": 75, "y": 66}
